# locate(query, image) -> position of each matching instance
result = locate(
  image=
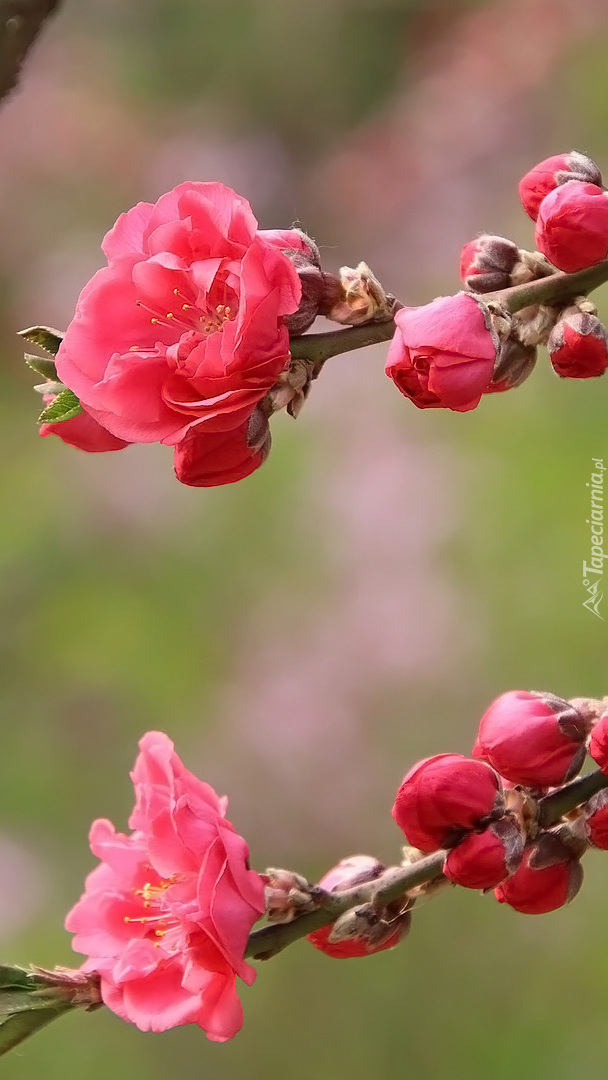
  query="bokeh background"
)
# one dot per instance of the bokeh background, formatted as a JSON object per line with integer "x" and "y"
{"x": 304, "y": 636}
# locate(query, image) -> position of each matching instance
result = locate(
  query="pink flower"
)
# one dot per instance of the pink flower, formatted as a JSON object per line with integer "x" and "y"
{"x": 578, "y": 345}
{"x": 532, "y": 738}
{"x": 84, "y": 433}
{"x": 442, "y": 795}
{"x": 166, "y": 915}
{"x": 549, "y": 877}
{"x": 183, "y": 332}
{"x": 443, "y": 354}
{"x": 572, "y": 226}
{"x": 483, "y": 859}
{"x": 553, "y": 171}
{"x": 222, "y": 457}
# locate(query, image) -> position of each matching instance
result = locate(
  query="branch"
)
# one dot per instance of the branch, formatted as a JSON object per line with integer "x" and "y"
{"x": 397, "y": 881}
{"x": 20, "y": 23}
{"x": 319, "y": 347}
{"x": 556, "y": 288}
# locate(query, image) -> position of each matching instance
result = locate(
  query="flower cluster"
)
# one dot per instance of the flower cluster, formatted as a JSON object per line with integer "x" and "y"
{"x": 166, "y": 916}
{"x": 449, "y": 353}
{"x": 483, "y": 810}
{"x": 186, "y": 336}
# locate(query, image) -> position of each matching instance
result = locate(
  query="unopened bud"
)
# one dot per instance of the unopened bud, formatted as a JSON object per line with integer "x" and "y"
{"x": 288, "y": 895}
{"x": 578, "y": 344}
{"x": 361, "y": 932}
{"x": 441, "y": 796}
{"x": 354, "y": 870}
{"x": 532, "y": 738}
{"x": 572, "y": 226}
{"x": 548, "y": 878}
{"x": 486, "y": 263}
{"x": 483, "y": 859}
{"x": 362, "y": 299}
{"x": 320, "y": 291}
{"x": 551, "y": 173}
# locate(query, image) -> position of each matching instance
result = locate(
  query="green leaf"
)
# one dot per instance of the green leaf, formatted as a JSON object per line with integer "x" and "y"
{"x": 27, "y": 1003}
{"x": 15, "y": 1027}
{"x": 42, "y": 366}
{"x": 45, "y": 337}
{"x": 15, "y": 976}
{"x": 64, "y": 407}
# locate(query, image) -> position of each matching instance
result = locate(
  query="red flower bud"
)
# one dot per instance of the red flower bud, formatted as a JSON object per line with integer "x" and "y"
{"x": 595, "y": 820}
{"x": 484, "y": 859}
{"x": 531, "y": 738}
{"x": 486, "y": 263}
{"x": 578, "y": 345}
{"x": 598, "y": 743}
{"x": 572, "y": 226}
{"x": 548, "y": 878}
{"x": 552, "y": 172}
{"x": 354, "y": 870}
{"x": 369, "y": 937}
{"x": 443, "y": 354}
{"x": 363, "y": 931}
{"x": 442, "y": 795}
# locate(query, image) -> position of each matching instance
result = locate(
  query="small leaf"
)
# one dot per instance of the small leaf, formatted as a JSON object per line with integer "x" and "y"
{"x": 64, "y": 407}
{"x": 11, "y": 976}
{"x": 53, "y": 388}
{"x": 41, "y": 365}
{"x": 16, "y": 1027}
{"x": 45, "y": 337}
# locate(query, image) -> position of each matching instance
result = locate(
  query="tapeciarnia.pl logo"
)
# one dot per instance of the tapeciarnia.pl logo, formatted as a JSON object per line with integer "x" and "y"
{"x": 593, "y": 571}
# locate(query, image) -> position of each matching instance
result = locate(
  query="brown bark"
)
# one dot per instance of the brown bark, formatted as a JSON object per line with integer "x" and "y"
{"x": 20, "y": 23}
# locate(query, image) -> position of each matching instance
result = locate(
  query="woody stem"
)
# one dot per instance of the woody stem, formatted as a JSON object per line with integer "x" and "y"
{"x": 397, "y": 881}
{"x": 556, "y": 288}
{"x": 20, "y": 23}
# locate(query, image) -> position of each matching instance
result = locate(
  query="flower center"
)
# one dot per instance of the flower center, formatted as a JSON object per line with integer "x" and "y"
{"x": 204, "y": 317}
{"x": 161, "y": 920}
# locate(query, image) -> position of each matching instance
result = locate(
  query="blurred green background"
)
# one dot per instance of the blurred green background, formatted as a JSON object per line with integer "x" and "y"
{"x": 306, "y": 635}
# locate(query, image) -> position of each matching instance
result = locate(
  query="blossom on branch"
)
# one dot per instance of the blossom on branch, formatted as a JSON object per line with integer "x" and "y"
{"x": 441, "y": 796}
{"x": 552, "y": 172}
{"x": 484, "y": 859}
{"x": 184, "y": 332}
{"x": 549, "y": 877}
{"x": 443, "y": 354}
{"x": 166, "y": 915}
{"x": 533, "y": 738}
{"x": 572, "y": 226}
{"x": 487, "y": 263}
{"x": 578, "y": 344}
{"x": 362, "y": 931}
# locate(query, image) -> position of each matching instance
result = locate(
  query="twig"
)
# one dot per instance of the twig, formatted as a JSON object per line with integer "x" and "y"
{"x": 557, "y": 288}
{"x": 397, "y": 881}
{"x": 20, "y": 23}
